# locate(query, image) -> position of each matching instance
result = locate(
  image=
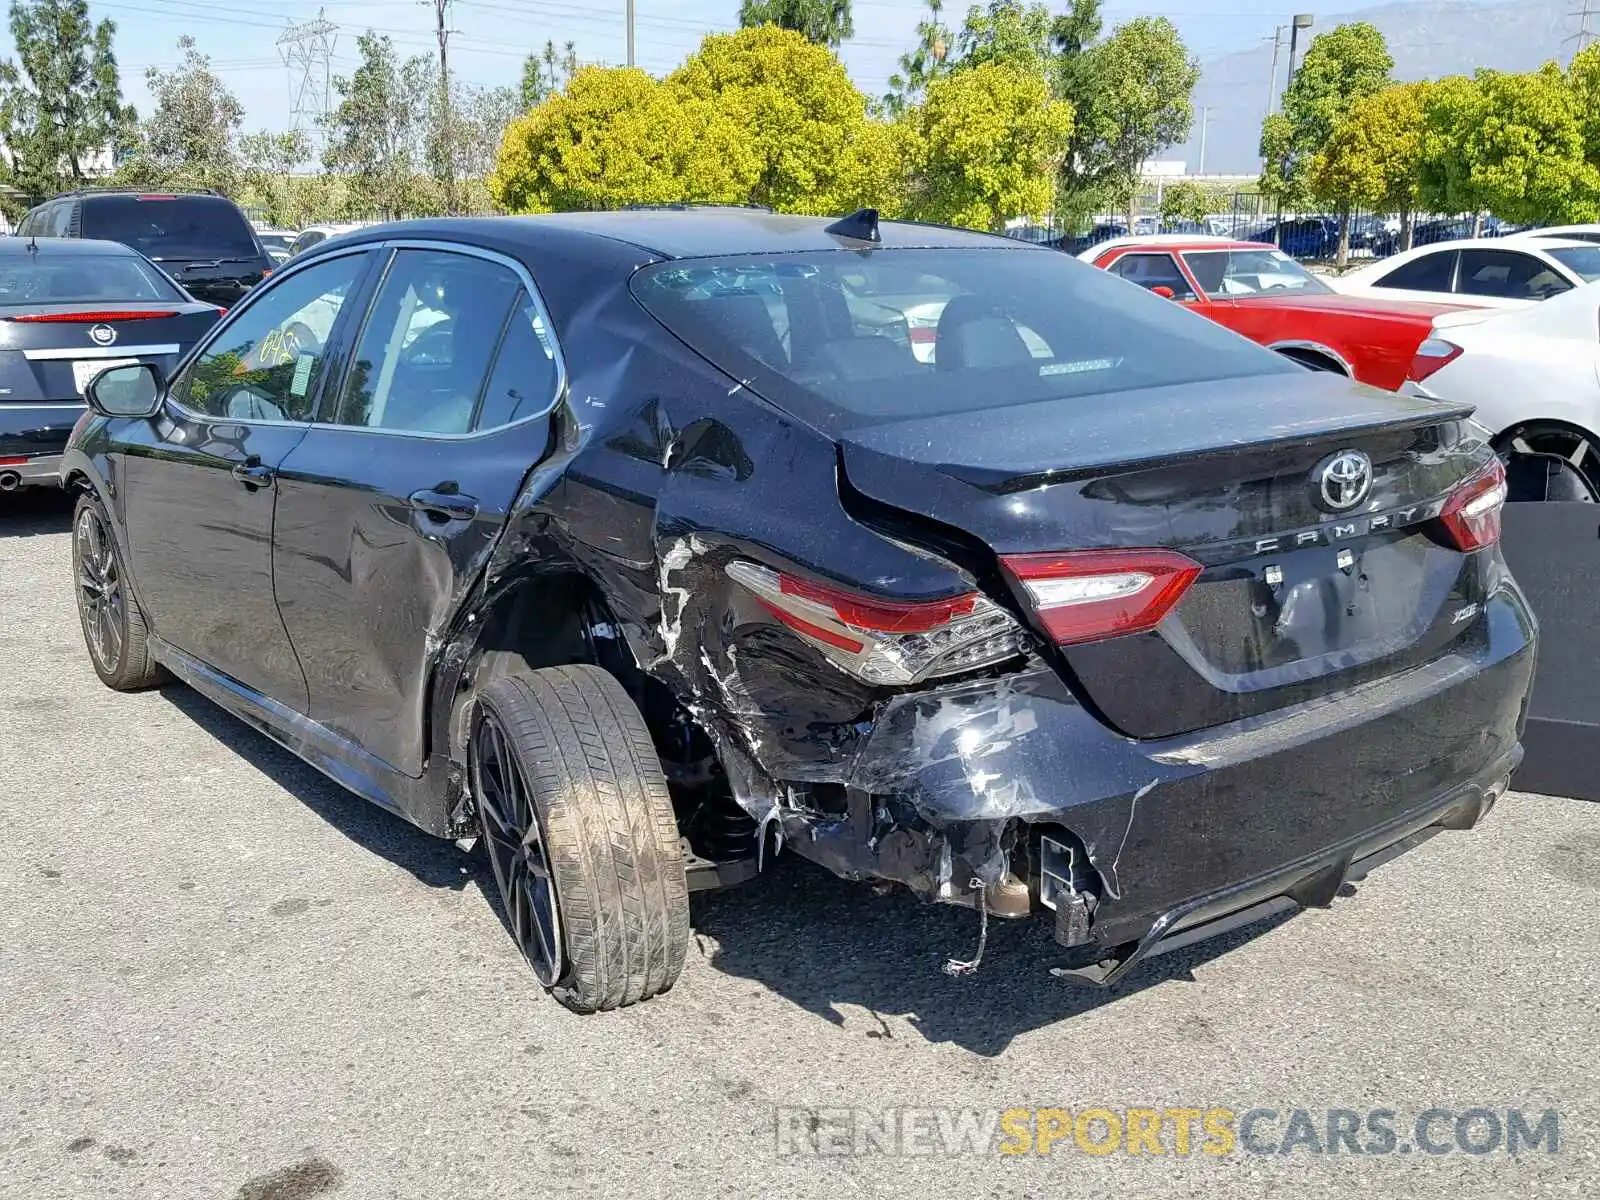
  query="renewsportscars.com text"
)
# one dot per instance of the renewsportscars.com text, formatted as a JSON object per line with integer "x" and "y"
{"x": 1178, "y": 1131}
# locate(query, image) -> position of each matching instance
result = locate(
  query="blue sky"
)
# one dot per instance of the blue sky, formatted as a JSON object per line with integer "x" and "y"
{"x": 491, "y": 36}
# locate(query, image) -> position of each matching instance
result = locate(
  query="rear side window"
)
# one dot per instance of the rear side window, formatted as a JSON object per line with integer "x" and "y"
{"x": 46, "y": 279}
{"x": 525, "y": 374}
{"x": 171, "y": 227}
{"x": 843, "y": 337}
{"x": 429, "y": 343}
{"x": 1508, "y": 275}
{"x": 1429, "y": 273}
{"x": 1583, "y": 261}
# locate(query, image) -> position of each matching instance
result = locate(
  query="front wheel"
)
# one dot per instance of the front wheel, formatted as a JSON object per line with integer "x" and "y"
{"x": 580, "y": 834}
{"x": 113, "y": 624}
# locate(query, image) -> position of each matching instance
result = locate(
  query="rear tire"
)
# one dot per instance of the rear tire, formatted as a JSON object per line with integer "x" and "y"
{"x": 572, "y": 802}
{"x": 114, "y": 630}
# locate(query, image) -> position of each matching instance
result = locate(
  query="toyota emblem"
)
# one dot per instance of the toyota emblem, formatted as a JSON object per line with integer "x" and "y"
{"x": 102, "y": 335}
{"x": 1343, "y": 480}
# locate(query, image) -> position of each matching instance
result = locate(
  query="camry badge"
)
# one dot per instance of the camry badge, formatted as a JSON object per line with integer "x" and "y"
{"x": 102, "y": 335}
{"x": 1343, "y": 480}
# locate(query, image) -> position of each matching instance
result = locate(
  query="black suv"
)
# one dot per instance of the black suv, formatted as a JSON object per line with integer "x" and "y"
{"x": 645, "y": 544}
{"x": 200, "y": 239}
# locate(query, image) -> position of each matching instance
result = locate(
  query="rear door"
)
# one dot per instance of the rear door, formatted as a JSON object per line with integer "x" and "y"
{"x": 198, "y": 483}
{"x": 388, "y": 508}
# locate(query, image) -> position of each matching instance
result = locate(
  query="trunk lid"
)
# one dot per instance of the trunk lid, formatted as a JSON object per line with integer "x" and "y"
{"x": 48, "y": 352}
{"x": 1294, "y": 600}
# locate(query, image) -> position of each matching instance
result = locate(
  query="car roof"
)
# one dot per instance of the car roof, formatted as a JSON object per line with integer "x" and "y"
{"x": 1173, "y": 241}
{"x": 713, "y": 232}
{"x": 54, "y": 247}
{"x": 1509, "y": 242}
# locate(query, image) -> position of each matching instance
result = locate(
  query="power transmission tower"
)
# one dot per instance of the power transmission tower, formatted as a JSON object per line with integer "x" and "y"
{"x": 447, "y": 145}
{"x": 1585, "y": 34}
{"x": 307, "y": 50}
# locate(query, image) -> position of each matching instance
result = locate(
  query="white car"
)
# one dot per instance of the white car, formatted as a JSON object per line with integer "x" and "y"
{"x": 1571, "y": 233}
{"x": 1533, "y": 375}
{"x": 1507, "y": 272}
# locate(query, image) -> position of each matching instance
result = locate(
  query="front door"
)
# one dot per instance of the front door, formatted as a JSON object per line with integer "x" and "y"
{"x": 199, "y": 480}
{"x": 388, "y": 508}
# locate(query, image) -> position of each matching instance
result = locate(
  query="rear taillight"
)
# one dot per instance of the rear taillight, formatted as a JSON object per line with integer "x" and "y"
{"x": 13, "y": 460}
{"x": 1472, "y": 514}
{"x": 884, "y": 641}
{"x": 1431, "y": 355}
{"x": 91, "y": 315}
{"x": 924, "y": 335}
{"x": 1087, "y": 595}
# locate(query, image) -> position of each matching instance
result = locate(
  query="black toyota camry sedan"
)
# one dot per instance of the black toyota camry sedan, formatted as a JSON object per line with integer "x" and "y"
{"x": 642, "y": 546}
{"x": 68, "y": 309}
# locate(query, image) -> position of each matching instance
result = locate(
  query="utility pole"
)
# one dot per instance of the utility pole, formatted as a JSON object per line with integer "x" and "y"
{"x": 1205, "y": 121}
{"x": 446, "y": 131}
{"x": 1272, "y": 88}
{"x": 1585, "y": 35}
{"x": 630, "y": 33}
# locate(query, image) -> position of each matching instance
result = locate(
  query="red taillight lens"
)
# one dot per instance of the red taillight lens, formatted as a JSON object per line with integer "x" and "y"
{"x": 1433, "y": 354}
{"x": 94, "y": 315}
{"x": 924, "y": 335}
{"x": 13, "y": 460}
{"x": 1087, "y": 595}
{"x": 887, "y": 642}
{"x": 1472, "y": 514}
{"x": 221, "y": 312}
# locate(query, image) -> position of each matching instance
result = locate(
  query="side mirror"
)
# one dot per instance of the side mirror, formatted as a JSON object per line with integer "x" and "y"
{"x": 1164, "y": 292}
{"x": 128, "y": 390}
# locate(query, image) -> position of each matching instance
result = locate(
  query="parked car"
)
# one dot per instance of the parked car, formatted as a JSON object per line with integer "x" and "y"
{"x": 1533, "y": 377}
{"x": 1486, "y": 273}
{"x": 1148, "y": 637}
{"x": 68, "y": 309}
{"x": 1565, "y": 233}
{"x": 315, "y": 235}
{"x": 1307, "y": 237}
{"x": 201, "y": 240}
{"x": 1259, "y": 291}
{"x": 277, "y": 243}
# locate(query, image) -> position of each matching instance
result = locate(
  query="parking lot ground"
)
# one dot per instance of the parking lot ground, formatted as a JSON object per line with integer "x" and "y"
{"x": 220, "y": 976}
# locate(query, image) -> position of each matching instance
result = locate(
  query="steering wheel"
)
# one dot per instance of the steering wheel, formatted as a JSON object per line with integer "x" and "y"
{"x": 433, "y": 347}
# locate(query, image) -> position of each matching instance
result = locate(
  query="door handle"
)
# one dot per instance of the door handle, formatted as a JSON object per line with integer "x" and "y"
{"x": 449, "y": 506}
{"x": 252, "y": 474}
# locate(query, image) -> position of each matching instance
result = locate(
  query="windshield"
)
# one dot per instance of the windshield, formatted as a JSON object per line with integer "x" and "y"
{"x": 837, "y": 336}
{"x": 83, "y": 277}
{"x": 171, "y": 227}
{"x": 1251, "y": 273}
{"x": 1583, "y": 260}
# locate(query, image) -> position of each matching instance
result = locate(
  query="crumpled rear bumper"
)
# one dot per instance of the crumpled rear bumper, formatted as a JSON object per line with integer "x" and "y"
{"x": 1183, "y": 831}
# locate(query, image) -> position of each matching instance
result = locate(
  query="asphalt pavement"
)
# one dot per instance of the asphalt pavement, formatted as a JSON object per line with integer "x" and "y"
{"x": 221, "y": 976}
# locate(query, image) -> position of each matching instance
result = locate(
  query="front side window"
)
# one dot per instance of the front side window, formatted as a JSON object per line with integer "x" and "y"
{"x": 428, "y": 344}
{"x": 844, "y": 338}
{"x": 266, "y": 364}
{"x": 1425, "y": 273}
{"x": 1233, "y": 273}
{"x": 1151, "y": 271}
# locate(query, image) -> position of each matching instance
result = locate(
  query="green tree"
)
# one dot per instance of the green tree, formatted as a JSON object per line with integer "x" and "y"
{"x": 921, "y": 66}
{"x": 1140, "y": 83}
{"x": 1508, "y": 144}
{"x": 1340, "y": 67}
{"x": 1184, "y": 200}
{"x": 1583, "y": 77}
{"x": 61, "y": 98}
{"x": 1372, "y": 159}
{"x": 190, "y": 139}
{"x": 378, "y": 135}
{"x": 615, "y": 136}
{"x": 1007, "y": 31}
{"x": 988, "y": 142}
{"x": 267, "y": 162}
{"x": 794, "y": 98}
{"x": 825, "y": 22}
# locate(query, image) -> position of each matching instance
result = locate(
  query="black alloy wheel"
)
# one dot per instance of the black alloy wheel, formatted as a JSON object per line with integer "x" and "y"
{"x": 515, "y": 843}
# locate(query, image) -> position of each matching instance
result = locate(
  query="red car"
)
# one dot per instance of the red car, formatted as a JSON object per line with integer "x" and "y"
{"x": 1259, "y": 291}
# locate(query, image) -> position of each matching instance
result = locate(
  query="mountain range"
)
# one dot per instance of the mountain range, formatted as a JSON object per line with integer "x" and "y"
{"x": 1428, "y": 39}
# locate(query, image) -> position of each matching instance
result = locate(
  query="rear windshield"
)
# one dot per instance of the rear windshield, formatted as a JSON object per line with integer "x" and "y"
{"x": 171, "y": 227}
{"x": 1251, "y": 273}
{"x": 1585, "y": 260}
{"x": 82, "y": 277}
{"x": 845, "y": 336}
